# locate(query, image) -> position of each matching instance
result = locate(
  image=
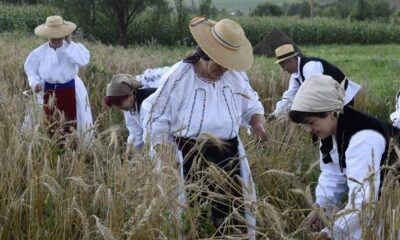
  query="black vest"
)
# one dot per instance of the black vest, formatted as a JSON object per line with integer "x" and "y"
{"x": 329, "y": 69}
{"x": 352, "y": 121}
{"x": 142, "y": 94}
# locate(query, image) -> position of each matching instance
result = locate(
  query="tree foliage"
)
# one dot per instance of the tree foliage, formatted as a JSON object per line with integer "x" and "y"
{"x": 267, "y": 9}
{"x": 106, "y": 17}
{"x": 207, "y": 9}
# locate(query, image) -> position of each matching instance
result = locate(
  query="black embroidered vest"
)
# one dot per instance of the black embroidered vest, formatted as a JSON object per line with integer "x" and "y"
{"x": 142, "y": 94}
{"x": 352, "y": 121}
{"x": 329, "y": 69}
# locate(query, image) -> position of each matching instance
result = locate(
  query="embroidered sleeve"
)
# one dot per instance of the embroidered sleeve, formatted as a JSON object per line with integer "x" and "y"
{"x": 250, "y": 101}
{"x": 312, "y": 68}
{"x": 363, "y": 158}
{"x": 77, "y": 54}
{"x": 134, "y": 127}
{"x": 165, "y": 105}
{"x": 150, "y": 78}
{"x": 285, "y": 103}
{"x": 32, "y": 69}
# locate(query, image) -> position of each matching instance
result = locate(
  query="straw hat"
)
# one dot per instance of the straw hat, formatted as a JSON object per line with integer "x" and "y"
{"x": 285, "y": 52}
{"x": 55, "y": 27}
{"x": 122, "y": 85}
{"x": 224, "y": 42}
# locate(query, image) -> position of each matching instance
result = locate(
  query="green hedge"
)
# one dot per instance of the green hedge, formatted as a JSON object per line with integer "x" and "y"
{"x": 23, "y": 18}
{"x": 163, "y": 30}
{"x": 321, "y": 30}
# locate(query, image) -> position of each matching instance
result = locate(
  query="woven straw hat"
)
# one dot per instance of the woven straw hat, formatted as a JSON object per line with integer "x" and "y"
{"x": 122, "y": 85}
{"x": 285, "y": 52}
{"x": 224, "y": 42}
{"x": 55, "y": 27}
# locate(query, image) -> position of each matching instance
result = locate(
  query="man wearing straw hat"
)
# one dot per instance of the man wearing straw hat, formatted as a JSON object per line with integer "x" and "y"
{"x": 301, "y": 68}
{"x": 52, "y": 69}
{"x": 360, "y": 148}
{"x": 198, "y": 110}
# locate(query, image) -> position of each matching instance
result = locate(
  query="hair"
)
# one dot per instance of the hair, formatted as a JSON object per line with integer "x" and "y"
{"x": 195, "y": 57}
{"x": 114, "y": 100}
{"x": 301, "y": 117}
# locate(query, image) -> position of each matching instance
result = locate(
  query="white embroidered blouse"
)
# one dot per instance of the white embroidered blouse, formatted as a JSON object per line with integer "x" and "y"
{"x": 186, "y": 105}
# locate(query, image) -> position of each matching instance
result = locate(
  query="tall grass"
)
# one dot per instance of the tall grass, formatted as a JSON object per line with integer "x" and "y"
{"x": 102, "y": 190}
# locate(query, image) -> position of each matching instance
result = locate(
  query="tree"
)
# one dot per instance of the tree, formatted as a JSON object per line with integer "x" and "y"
{"x": 267, "y": 9}
{"x": 300, "y": 9}
{"x": 362, "y": 10}
{"x": 207, "y": 9}
{"x": 107, "y": 19}
{"x": 182, "y": 18}
{"x": 122, "y": 13}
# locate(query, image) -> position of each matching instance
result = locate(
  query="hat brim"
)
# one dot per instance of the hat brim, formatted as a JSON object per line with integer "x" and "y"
{"x": 62, "y": 31}
{"x": 285, "y": 58}
{"x": 240, "y": 59}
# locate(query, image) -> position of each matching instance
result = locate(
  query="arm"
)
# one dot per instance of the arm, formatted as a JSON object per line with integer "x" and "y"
{"x": 165, "y": 104}
{"x": 312, "y": 68}
{"x": 151, "y": 77}
{"x": 285, "y": 103}
{"x": 362, "y": 156}
{"x": 332, "y": 183}
{"x": 77, "y": 54}
{"x": 32, "y": 71}
{"x": 134, "y": 127}
{"x": 253, "y": 111}
{"x": 328, "y": 193}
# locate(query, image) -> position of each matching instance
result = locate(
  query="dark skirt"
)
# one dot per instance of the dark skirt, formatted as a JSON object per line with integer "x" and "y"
{"x": 60, "y": 100}
{"x": 197, "y": 158}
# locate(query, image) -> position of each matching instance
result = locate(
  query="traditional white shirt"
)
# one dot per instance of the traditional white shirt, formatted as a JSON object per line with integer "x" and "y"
{"x": 150, "y": 78}
{"x": 133, "y": 122}
{"x": 309, "y": 69}
{"x": 45, "y": 64}
{"x": 186, "y": 105}
{"x": 395, "y": 116}
{"x": 363, "y": 156}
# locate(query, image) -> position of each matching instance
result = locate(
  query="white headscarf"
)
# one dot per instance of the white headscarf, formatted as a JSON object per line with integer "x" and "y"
{"x": 319, "y": 93}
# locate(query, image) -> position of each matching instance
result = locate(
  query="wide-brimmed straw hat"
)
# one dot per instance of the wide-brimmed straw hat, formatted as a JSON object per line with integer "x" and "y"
{"x": 224, "y": 42}
{"x": 122, "y": 85}
{"x": 284, "y": 52}
{"x": 55, "y": 27}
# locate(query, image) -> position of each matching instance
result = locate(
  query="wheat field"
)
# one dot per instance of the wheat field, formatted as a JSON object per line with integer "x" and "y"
{"x": 103, "y": 190}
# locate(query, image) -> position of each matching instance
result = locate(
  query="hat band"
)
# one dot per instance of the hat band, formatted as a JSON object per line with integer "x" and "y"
{"x": 286, "y": 55}
{"x": 222, "y": 41}
{"x": 197, "y": 21}
{"x": 57, "y": 25}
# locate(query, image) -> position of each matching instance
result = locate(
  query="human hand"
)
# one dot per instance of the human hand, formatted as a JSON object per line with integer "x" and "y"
{"x": 270, "y": 118}
{"x": 259, "y": 132}
{"x": 37, "y": 88}
{"x": 68, "y": 38}
{"x": 313, "y": 222}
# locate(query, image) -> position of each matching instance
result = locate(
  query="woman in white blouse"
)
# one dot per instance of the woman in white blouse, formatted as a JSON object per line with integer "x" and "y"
{"x": 208, "y": 93}
{"x": 52, "y": 70}
{"x": 127, "y": 93}
{"x": 361, "y": 144}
